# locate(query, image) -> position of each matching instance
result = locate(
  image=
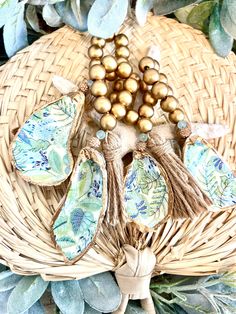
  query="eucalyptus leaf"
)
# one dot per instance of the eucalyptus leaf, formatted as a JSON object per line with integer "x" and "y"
{"x": 4, "y": 296}
{"x": 163, "y": 7}
{"x": 81, "y": 8}
{"x": 228, "y": 17}
{"x": 182, "y": 13}
{"x": 200, "y": 13}
{"x": 43, "y": 2}
{"x": 8, "y": 280}
{"x": 28, "y": 291}
{"x": 68, "y": 296}
{"x": 133, "y": 308}
{"x": 32, "y": 18}
{"x": 220, "y": 40}
{"x": 6, "y": 8}
{"x": 141, "y": 10}
{"x": 106, "y": 16}
{"x": 14, "y": 31}
{"x": 196, "y": 303}
{"x": 50, "y": 16}
{"x": 37, "y": 308}
{"x": 229, "y": 279}
{"x": 101, "y": 292}
{"x": 89, "y": 310}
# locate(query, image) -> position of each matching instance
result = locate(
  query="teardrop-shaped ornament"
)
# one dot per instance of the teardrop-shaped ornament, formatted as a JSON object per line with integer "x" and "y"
{"x": 41, "y": 148}
{"x": 77, "y": 221}
{"x": 148, "y": 195}
{"x": 210, "y": 171}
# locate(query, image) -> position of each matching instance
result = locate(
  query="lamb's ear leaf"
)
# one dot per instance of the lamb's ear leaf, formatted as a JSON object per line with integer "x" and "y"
{"x": 142, "y": 8}
{"x": 227, "y": 17}
{"x": 8, "y": 280}
{"x": 68, "y": 296}
{"x": 28, "y": 291}
{"x": 163, "y": 7}
{"x": 101, "y": 292}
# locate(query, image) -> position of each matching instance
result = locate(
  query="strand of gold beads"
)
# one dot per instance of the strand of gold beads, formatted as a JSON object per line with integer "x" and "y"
{"x": 119, "y": 104}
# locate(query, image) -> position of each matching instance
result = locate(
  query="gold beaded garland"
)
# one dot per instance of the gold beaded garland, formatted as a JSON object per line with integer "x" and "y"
{"x": 147, "y": 98}
{"x": 109, "y": 63}
{"x": 102, "y": 104}
{"x": 156, "y": 65}
{"x": 159, "y": 90}
{"x": 146, "y": 63}
{"x": 98, "y": 41}
{"x": 122, "y": 52}
{"x": 131, "y": 85}
{"x": 144, "y": 125}
{"x": 95, "y": 52}
{"x": 169, "y": 104}
{"x": 111, "y": 76}
{"x": 131, "y": 117}
{"x": 120, "y": 60}
{"x": 124, "y": 70}
{"x": 163, "y": 78}
{"x": 118, "y": 110}
{"x": 150, "y": 76}
{"x": 97, "y": 72}
{"x": 94, "y": 61}
{"x": 176, "y": 116}
{"x": 143, "y": 86}
{"x": 146, "y": 111}
{"x": 99, "y": 88}
{"x": 119, "y": 85}
{"x": 125, "y": 97}
{"x": 121, "y": 40}
{"x": 135, "y": 76}
{"x": 108, "y": 122}
{"x": 113, "y": 97}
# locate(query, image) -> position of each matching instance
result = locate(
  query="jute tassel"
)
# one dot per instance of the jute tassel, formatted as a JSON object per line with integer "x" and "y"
{"x": 134, "y": 278}
{"x": 112, "y": 153}
{"x": 189, "y": 199}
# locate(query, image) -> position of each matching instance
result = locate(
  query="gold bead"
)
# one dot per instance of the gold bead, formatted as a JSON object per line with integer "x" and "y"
{"x": 147, "y": 98}
{"x": 125, "y": 97}
{"x": 119, "y": 85}
{"x": 108, "y": 122}
{"x": 95, "y": 52}
{"x": 120, "y": 60}
{"x": 163, "y": 78}
{"x": 99, "y": 88}
{"x": 146, "y": 111}
{"x": 131, "y": 117}
{"x": 143, "y": 86}
{"x": 121, "y": 40}
{"x": 118, "y": 110}
{"x": 169, "y": 104}
{"x": 135, "y": 76}
{"x": 170, "y": 91}
{"x": 156, "y": 65}
{"x": 176, "y": 116}
{"x": 122, "y": 52}
{"x": 131, "y": 85}
{"x": 109, "y": 63}
{"x": 113, "y": 97}
{"x": 150, "y": 76}
{"x": 94, "y": 61}
{"x": 144, "y": 125}
{"x": 102, "y": 104}
{"x": 98, "y": 41}
{"x": 146, "y": 63}
{"x": 110, "y": 39}
{"x": 159, "y": 90}
{"x": 124, "y": 70}
{"x": 97, "y": 72}
{"x": 111, "y": 76}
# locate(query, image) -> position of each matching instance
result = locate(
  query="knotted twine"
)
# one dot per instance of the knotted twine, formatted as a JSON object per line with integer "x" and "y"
{"x": 115, "y": 173}
{"x": 189, "y": 199}
{"x": 134, "y": 278}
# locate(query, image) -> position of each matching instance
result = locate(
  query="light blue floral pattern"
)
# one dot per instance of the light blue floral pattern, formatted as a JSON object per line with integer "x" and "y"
{"x": 211, "y": 173}
{"x": 146, "y": 191}
{"x": 40, "y": 150}
{"x": 76, "y": 225}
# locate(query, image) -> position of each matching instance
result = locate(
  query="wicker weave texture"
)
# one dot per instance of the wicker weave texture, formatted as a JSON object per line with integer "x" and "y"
{"x": 205, "y": 86}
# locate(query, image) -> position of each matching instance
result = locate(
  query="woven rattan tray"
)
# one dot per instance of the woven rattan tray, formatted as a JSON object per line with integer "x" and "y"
{"x": 206, "y": 87}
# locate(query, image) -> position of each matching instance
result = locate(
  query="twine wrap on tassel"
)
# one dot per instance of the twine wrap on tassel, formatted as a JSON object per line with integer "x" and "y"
{"x": 189, "y": 199}
{"x": 134, "y": 278}
{"x": 112, "y": 152}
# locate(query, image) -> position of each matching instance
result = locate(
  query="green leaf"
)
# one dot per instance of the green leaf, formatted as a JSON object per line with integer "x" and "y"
{"x": 101, "y": 292}
{"x": 220, "y": 40}
{"x": 50, "y": 16}
{"x": 106, "y": 16}
{"x": 68, "y": 296}
{"x": 133, "y": 308}
{"x": 14, "y": 31}
{"x": 8, "y": 280}
{"x": 228, "y": 17}
{"x": 89, "y": 310}
{"x": 55, "y": 161}
{"x": 200, "y": 13}
{"x": 6, "y": 8}
{"x": 182, "y": 13}
{"x": 28, "y": 291}
{"x": 91, "y": 204}
{"x": 196, "y": 303}
{"x": 163, "y": 7}
{"x": 229, "y": 279}
{"x": 141, "y": 10}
